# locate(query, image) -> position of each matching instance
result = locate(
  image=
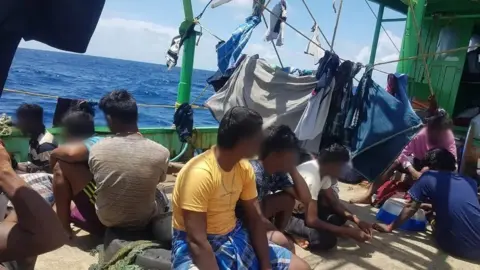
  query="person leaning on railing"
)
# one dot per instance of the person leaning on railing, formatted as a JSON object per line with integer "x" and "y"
{"x": 36, "y": 228}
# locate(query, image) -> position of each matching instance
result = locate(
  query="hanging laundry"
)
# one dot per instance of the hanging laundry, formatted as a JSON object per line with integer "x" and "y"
{"x": 312, "y": 48}
{"x": 277, "y": 23}
{"x": 333, "y": 131}
{"x": 380, "y": 125}
{"x": 172, "y": 53}
{"x": 313, "y": 118}
{"x": 229, "y": 52}
{"x": 219, "y": 3}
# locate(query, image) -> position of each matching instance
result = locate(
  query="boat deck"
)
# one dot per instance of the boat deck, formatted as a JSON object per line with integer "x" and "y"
{"x": 400, "y": 250}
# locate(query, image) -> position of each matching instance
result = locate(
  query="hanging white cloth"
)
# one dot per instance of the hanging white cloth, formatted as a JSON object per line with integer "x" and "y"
{"x": 219, "y": 3}
{"x": 313, "y": 49}
{"x": 276, "y": 28}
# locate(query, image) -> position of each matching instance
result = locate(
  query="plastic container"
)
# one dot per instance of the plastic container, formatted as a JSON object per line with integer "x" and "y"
{"x": 392, "y": 208}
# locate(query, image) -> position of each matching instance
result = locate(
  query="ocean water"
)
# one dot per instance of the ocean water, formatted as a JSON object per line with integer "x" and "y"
{"x": 88, "y": 77}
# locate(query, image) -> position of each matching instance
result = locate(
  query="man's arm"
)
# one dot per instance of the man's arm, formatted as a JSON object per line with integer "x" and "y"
{"x": 195, "y": 192}
{"x": 70, "y": 153}
{"x": 343, "y": 211}
{"x": 418, "y": 192}
{"x": 314, "y": 222}
{"x": 200, "y": 249}
{"x": 258, "y": 233}
{"x": 300, "y": 189}
{"x": 37, "y": 228}
{"x": 407, "y": 212}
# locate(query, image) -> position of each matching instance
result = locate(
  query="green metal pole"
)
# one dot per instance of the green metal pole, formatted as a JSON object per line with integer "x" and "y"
{"x": 185, "y": 83}
{"x": 376, "y": 34}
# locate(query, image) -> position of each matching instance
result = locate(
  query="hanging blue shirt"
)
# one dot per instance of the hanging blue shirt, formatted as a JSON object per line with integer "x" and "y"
{"x": 455, "y": 202}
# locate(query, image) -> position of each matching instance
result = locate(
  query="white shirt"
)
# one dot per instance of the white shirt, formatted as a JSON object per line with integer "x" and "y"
{"x": 310, "y": 171}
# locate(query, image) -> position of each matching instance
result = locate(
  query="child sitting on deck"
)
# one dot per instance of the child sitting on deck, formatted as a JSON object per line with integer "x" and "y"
{"x": 278, "y": 182}
{"x": 321, "y": 221}
{"x": 72, "y": 180}
{"x": 42, "y": 142}
{"x": 207, "y": 235}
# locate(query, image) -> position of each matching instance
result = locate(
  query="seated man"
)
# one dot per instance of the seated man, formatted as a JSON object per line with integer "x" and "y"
{"x": 437, "y": 134}
{"x": 127, "y": 168}
{"x": 278, "y": 158}
{"x": 42, "y": 142}
{"x": 35, "y": 231}
{"x": 322, "y": 220}
{"x": 72, "y": 180}
{"x": 456, "y": 226}
{"x": 207, "y": 235}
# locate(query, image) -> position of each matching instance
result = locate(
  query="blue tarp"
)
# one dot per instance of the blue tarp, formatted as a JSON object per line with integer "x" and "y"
{"x": 229, "y": 52}
{"x": 381, "y": 125}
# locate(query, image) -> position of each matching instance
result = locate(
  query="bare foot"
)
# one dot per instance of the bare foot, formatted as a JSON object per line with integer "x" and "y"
{"x": 361, "y": 200}
{"x": 301, "y": 242}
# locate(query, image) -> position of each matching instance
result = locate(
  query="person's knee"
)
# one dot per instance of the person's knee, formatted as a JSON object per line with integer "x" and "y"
{"x": 297, "y": 263}
{"x": 323, "y": 242}
{"x": 281, "y": 239}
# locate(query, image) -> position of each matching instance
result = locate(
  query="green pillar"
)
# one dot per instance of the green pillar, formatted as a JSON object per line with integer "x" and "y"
{"x": 376, "y": 34}
{"x": 410, "y": 40}
{"x": 185, "y": 83}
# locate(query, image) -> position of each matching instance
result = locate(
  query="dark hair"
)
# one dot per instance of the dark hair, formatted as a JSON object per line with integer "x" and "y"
{"x": 79, "y": 123}
{"x": 277, "y": 139}
{"x": 335, "y": 153}
{"x": 31, "y": 112}
{"x": 440, "y": 159}
{"x": 238, "y": 123}
{"x": 439, "y": 121}
{"x": 120, "y": 105}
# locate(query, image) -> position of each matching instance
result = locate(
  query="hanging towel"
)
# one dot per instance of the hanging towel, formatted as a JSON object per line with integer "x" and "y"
{"x": 313, "y": 49}
{"x": 229, "y": 52}
{"x": 313, "y": 118}
{"x": 277, "y": 23}
{"x": 381, "y": 125}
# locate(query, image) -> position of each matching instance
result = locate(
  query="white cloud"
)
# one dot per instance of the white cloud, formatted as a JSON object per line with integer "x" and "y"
{"x": 386, "y": 51}
{"x": 139, "y": 41}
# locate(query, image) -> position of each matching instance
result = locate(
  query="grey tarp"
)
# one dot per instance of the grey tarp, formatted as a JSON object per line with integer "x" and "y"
{"x": 278, "y": 96}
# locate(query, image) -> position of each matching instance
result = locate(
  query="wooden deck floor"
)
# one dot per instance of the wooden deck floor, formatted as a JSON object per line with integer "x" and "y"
{"x": 385, "y": 252}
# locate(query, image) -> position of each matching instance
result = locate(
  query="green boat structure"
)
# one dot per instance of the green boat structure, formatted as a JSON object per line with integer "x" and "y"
{"x": 432, "y": 72}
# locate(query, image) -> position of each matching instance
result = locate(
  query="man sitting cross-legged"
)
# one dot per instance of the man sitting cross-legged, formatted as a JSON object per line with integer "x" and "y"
{"x": 207, "y": 235}
{"x": 278, "y": 181}
{"x": 321, "y": 221}
{"x": 72, "y": 180}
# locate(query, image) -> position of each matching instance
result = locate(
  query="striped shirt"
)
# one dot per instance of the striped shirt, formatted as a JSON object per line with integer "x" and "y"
{"x": 127, "y": 170}
{"x": 39, "y": 152}
{"x": 41, "y": 183}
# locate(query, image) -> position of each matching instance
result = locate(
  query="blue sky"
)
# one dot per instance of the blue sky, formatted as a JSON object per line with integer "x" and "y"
{"x": 142, "y": 30}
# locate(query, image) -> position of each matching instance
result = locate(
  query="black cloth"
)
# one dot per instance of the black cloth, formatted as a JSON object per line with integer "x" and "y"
{"x": 63, "y": 105}
{"x": 333, "y": 130}
{"x": 319, "y": 240}
{"x": 65, "y": 25}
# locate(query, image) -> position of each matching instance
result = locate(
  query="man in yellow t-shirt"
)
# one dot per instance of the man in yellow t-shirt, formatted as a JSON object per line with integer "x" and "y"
{"x": 207, "y": 235}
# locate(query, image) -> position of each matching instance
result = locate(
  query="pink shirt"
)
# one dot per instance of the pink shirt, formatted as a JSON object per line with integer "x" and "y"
{"x": 419, "y": 146}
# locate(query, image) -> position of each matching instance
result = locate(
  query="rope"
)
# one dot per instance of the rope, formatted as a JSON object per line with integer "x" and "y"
{"x": 203, "y": 11}
{"x": 337, "y": 21}
{"x": 208, "y": 31}
{"x": 138, "y": 104}
{"x": 316, "y": 24}
{"x": 428, "y": 54}
{"x": 384, "y": 30}
{"x": 200, "y": 95}
{"x": 307, "y": 38}
{"x": 420, "y": 47}
{"x": 5, "y": 125}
